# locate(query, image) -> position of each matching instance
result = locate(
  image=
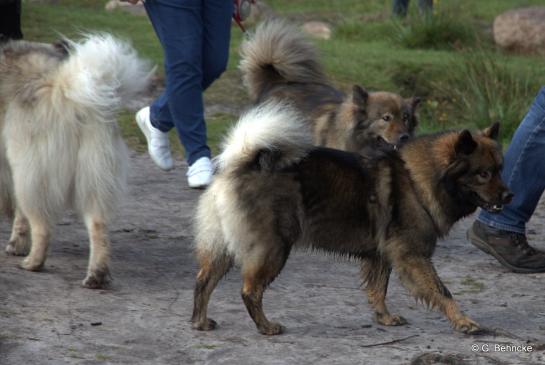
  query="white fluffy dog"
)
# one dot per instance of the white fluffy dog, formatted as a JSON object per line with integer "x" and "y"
{"x": 61, "y": 147}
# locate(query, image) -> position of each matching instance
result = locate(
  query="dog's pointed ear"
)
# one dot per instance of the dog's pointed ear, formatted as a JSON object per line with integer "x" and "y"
{"x": 414, "y": 102}
{"x": 493, "y": 131}
{"x": 63, "y": 47}
{"x": 359, "y": 95}
{"x": 465, "y": 145}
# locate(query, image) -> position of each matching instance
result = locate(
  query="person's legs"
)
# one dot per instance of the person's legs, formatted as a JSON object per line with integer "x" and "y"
{"x": 159, "y": 111}
{"x": 425, "y": 7}
{"x": 217, "y": 34}
{"x": 399, "y": 7}
{"x": 524, "y": 171}
{"x": 180, "y": 30}
{"x": 10, "y": 20}
{"x": 503, "y": 235}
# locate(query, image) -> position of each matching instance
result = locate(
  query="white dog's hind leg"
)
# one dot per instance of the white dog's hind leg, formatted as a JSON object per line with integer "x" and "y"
{"x": 19, "y": 242}
{"x": 39, "y": 233}
{"x": 98, "y": 274}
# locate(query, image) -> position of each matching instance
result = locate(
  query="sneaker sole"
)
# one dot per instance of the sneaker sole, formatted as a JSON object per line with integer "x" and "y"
{"x": 146, "y": 132}
{"x": 199, "y": 187}
{"x": 485, "y": 247}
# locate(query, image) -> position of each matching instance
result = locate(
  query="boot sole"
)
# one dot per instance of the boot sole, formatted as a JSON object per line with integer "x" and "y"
{"x": 485, "y": 247}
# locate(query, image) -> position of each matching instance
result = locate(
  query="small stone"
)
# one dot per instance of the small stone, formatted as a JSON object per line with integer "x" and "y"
{"x": 318, "y": 30}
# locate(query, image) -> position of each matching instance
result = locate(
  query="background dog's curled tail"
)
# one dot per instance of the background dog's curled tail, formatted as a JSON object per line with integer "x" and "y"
{"x": 273, "y": 135}
{"x": 278, "y": 52}
{"x": 102, "y": 73}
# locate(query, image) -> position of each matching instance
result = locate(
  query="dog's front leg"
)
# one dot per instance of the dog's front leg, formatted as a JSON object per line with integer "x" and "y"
{"x": 419, "y": 276}
{"x": 375, "y": 273}
{"x": 19, "y": 242}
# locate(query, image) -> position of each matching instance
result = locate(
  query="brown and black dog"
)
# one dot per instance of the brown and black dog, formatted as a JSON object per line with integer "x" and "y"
{"x": 279, "y": 63}
{"x": 275, "y": 191}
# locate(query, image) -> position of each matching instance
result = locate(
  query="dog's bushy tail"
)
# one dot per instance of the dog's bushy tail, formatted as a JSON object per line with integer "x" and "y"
{"x": 270, "y": 136}
{"x": 278, "y": 52}
{"x": 102, "y": 73}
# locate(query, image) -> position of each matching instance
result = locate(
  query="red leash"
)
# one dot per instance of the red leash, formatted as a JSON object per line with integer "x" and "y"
{"x": 241, "y": 11}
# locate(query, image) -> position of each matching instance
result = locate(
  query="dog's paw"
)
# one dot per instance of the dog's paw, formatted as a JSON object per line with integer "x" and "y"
{"x": 18, "y": 247}
{"x": 466, "y": 325}
{"x": 391, "y": 320}
{"x": 271, "y": 329}
{"x": 99, "y": 279}
{"x": 32, "y": 264}
{"x": 208, "y": 325}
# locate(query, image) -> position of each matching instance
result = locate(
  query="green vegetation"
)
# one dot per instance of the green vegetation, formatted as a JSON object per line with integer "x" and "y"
{"x": 471, "y": 285}
{"x": 449, "y": 59}
{"x": 439, "y": 31}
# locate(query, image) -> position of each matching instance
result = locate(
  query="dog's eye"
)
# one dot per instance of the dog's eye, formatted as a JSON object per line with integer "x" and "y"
{"x": 485, "y": 175}
{"x": 387, "y": 117}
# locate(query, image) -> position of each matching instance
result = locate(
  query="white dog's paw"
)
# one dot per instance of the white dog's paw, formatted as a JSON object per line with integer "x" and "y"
{"x": 18, "y": 247}
{"x": 32, "y": 264}
{"x": 99, "y": 279}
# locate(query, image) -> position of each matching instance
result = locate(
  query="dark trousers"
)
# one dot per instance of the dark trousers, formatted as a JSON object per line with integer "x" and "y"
{"x": 400, "y": 7}
{"x": 10, "y": 20}
{"x": 195, "y": 37}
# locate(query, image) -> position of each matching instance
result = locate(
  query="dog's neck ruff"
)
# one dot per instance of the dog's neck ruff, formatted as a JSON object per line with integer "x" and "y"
{"x": 436, "y": 227}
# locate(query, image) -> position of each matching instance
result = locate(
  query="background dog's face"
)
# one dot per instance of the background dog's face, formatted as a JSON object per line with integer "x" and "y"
{"x": 383, "y": 118}
{"x": 476, "y": 169}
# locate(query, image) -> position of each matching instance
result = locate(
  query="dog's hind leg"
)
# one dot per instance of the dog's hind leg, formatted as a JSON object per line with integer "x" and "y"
{"x": 258, "y": 271}
{"x": 212, "y": 269}
{"x": 19, "y": 242}
{"x": 419, "y": 276}
{"x": 98, "y": 273}
{"x": 375, "y": 272}
{"x": 40, "y": 232}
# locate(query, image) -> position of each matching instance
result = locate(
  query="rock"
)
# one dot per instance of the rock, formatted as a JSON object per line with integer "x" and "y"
{"x": 319, "y": 30}
{"x": 521, "y": 30}
{"x": 136, "y": 9}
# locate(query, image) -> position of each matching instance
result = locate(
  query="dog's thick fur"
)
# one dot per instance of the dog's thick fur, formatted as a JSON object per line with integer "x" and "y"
{"x": 58, "y": 105}
{"x": 278, "y": 62}
{"x": 274, "y": 191}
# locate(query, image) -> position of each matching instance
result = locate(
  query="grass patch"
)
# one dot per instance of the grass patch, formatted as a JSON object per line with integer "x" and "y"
{"x": 102, "y": 357}
{"x": 206, "y": 346}
{"x": 440, "y": 31}
{"x": 365, "y": 50}
{"x": 480, "y": 90}
{"x": 472, "y": 285}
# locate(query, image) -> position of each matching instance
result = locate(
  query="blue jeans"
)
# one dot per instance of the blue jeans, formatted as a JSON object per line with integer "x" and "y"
{"x": 195, "y": 37}
{"x": 523, "y": 171}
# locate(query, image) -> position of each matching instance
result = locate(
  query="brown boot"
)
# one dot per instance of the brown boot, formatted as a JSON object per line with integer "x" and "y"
{"x": 509, "y": 248}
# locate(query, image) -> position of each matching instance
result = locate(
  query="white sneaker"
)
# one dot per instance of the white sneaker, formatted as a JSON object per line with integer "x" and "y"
{"x": 158, "y": 144}
{"x": 200, "y": 173}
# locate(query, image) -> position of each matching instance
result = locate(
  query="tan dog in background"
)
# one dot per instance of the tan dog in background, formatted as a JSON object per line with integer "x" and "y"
{"x": 279, "y": 63}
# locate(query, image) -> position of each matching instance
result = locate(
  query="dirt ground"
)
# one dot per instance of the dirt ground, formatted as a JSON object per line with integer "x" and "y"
{"x": 48, "y": 318}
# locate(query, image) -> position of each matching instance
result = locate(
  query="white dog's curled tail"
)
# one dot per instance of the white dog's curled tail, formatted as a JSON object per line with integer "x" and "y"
{"x": 268, "y": 137}
{"x": 102, "y": 73}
